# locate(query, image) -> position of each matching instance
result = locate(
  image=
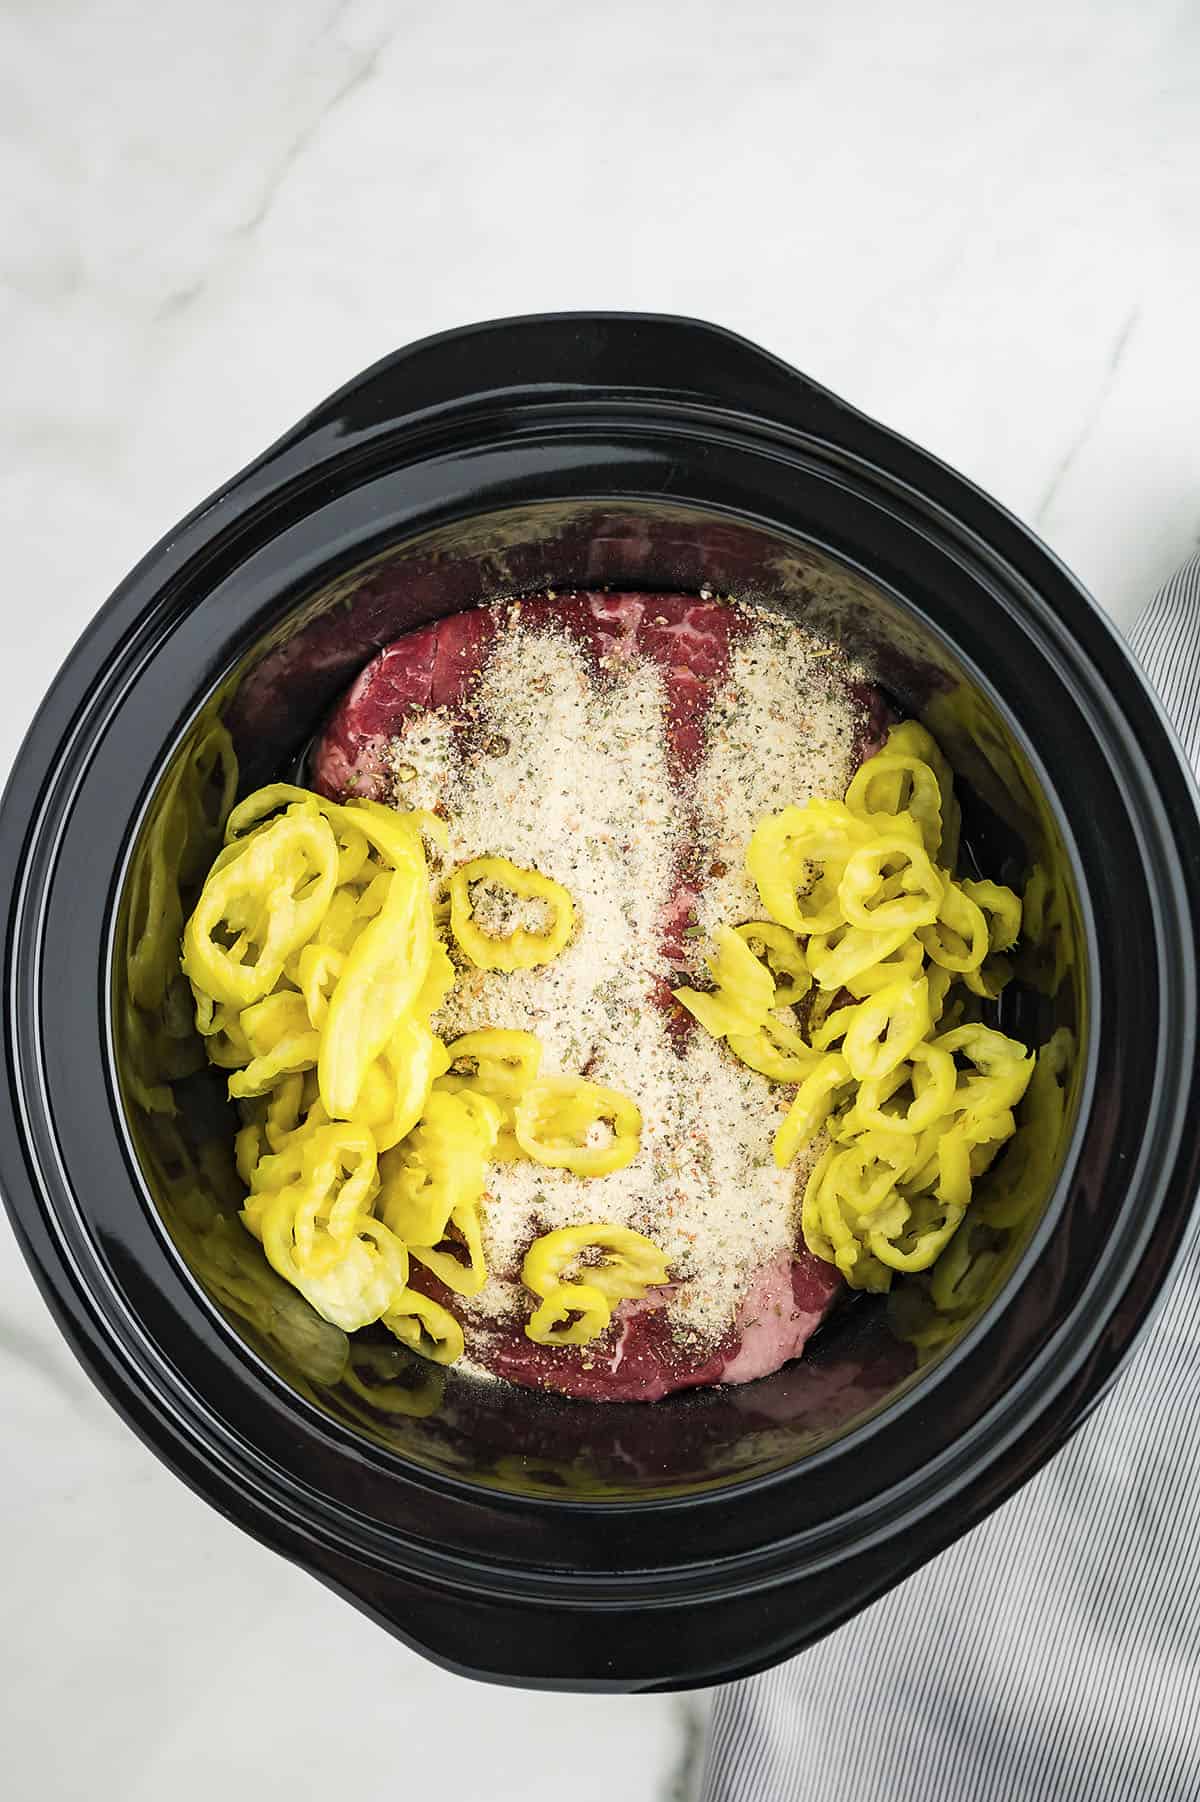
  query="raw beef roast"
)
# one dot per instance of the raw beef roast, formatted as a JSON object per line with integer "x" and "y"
{"x": 689, "y": 639}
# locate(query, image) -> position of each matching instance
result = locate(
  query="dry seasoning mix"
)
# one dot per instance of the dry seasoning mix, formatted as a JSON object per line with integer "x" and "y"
{"x": 567, "y": 773}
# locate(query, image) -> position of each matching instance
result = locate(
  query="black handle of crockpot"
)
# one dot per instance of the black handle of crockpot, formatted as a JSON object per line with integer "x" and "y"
{"x": 538, "y": 360}
{"x": 620, "y": 1649}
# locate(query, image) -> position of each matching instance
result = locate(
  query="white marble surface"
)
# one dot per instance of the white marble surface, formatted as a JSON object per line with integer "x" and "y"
{"x": 978, "y": 223}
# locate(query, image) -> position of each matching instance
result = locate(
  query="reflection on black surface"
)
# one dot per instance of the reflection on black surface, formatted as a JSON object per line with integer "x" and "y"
{"x": 183, "y": 1128}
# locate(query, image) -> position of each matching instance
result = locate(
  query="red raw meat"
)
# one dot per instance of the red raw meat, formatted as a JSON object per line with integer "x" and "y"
{"x": 638, "y": 1359}
{"x": 432, "y": 667}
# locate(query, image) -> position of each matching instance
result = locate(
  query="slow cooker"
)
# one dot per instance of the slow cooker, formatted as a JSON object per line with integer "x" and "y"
{"x": 511, "y": 1535}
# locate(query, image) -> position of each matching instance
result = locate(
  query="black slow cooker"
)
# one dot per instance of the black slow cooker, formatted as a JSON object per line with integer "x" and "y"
{"x": 512, "y": 1535}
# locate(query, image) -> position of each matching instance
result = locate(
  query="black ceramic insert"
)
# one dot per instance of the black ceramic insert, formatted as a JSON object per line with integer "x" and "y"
{"x": 514, "y": 1536}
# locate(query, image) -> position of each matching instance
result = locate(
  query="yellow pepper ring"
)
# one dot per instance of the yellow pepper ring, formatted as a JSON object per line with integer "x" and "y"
{"x": 885, "y": 1029}
{"x": 848, "y": 953}
{"x": 383, "y": 976}
{"x": 438, "y": 1167}
{"x": 775, "y": 1051}
{"x": 571, "y": 1314}
{"x": 631, "y": 1264}
{"x": 1002, "y": 909}
{"x": 744, "y": 992}
{"x": 904, "y": 963}
{"x": 811, "y": 1225}
{"x": 522, "y": 948}
{"x": 932, "y": 1075}
{"x": 909, "y": 785}
{"x": 337, "y": 1191}
{"x": 957, "y": 938}
{"x": 422, "y": 1323}
{"x": 397, "y": 1085}
{"x": 463, "y": 1279}
{"x": 927, "y": 1247}
{"x": 556, "y": 1115}
{"x": 269, "y": 898}
{"x": 862, "y": 879}
{"x": 281, "y": 1037}
{"x": 358, "y": 1288}
{"x": 811, "y": 1106}
{"x": 499, "y": 1064}
{"x": 783, "y": 850}
{"x": 785, "y": 958}
{"x": 911, "y": 739}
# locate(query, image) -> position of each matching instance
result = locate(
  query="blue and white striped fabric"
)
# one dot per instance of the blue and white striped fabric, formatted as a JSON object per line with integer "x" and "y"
{"x": 1054, "y": 1654}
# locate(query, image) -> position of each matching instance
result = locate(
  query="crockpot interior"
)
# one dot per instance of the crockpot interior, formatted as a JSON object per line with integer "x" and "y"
{"x": 257, "y": 723}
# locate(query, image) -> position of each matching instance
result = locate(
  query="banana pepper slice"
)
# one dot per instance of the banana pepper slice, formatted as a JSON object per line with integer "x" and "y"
{"x": 425, "y": 1326}
{"x": 861, "y": 889}
{"x": 922, "y": 1239}
{"x": 282, "y": 1040}
{"x": 811, "y": 1106}
{"x": 331, "y": 1180}
{"x": 384, "y": 974}
{"x": 776, "y": 1051}
{"x": 886, "y": 1027}
{"x": 911, "y": 739}
{"x": 566, "y": 1123}
{"x": 522, "y": 948}
{"x": 784, "y": 956}
{"x": 269, "y": 898}
{"x": 397, "y": 1085}
{"x": 797, "y": 858}
{"x": 838, "y": 1196}
{"x": 958, "y": 937}
{"x": 896, "y": 781}
{"x": 929, "y": 1071}
{"x": 572, "y": 1312}
{"x": 319, "y": 1234}
{"x": 1002, "y": 1071}
{"x": 862, "y": 959}
{"x": 439, "y": 1167}
{"x": 500, "y": 1064}
{"x": 745, "y": 989}
{"x": 463, "y": 1279}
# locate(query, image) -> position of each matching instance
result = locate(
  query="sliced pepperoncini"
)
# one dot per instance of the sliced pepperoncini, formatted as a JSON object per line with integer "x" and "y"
{"x": 958, "y": 937}
{"x": 282, "y": 1040}
{"x": 522, "y": 948}
{"x": 397, "y": 1085}
{"x": 744, "y": 993}
{"x": 811, "y": 1107}
{"x": 776, "y": 1051}
{"x": 785, "y": 958}
{"x": 439, "y": 1167}
{"x": 911, "y": 739}
{"x": 862, "y": 889}
{"x": 384, "y": 973}
{"x": 425, "y": 1326}
{"x": 896, "y": 781}
{"x": 566, "y": 1123}
{"x": 571, "y": 1312}
{"x": 262, "y": 905}
{"x": 497, "y": 1063}
{"x": 862, "y": 958}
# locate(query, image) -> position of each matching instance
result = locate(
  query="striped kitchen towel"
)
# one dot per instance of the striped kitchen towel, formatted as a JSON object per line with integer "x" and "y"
{"x": 1054, "y": 1654}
